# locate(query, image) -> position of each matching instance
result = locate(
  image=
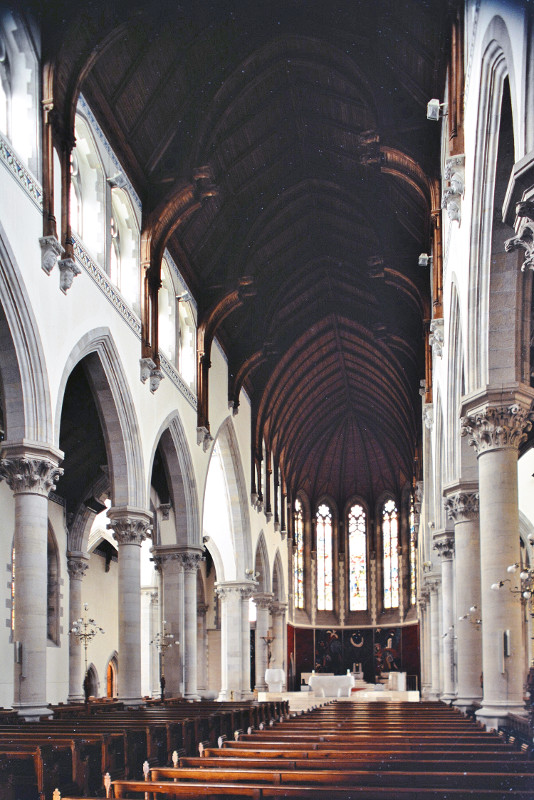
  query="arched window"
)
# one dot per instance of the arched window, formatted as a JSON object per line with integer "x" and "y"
{"x": 413, "y": 554}
{"x": 357, "y": 558}
{"x": 124, "y": 247}
{"x": 187, "y": 341}
{"x": 390, "y": 538}
{"x": 167, "y": 314}
{"x": 325, "y": 598}
{"x": 52, "y": 586}
{"x": 298, "y": 556}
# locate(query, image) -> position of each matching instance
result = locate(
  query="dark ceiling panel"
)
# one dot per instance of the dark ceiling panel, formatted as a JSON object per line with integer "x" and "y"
{"x": 307, "y": 113}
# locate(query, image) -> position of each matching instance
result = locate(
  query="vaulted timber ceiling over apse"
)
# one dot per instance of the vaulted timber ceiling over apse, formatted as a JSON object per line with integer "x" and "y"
{"x": 311, "y": 117}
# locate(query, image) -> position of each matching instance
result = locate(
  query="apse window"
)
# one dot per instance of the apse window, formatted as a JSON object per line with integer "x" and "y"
{"x": 325, "y": 598}
{"x": 390, "y": 540}
{"x": 357, "y": 559}
{"x": 298, "y": 556}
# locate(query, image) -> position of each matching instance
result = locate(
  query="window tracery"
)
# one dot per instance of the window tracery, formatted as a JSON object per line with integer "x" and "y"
{"x": 357, "y": 526}
{"x": 390, "y": 539}
{"x": 325, "y": 599}
{"x": 298, "y": 556}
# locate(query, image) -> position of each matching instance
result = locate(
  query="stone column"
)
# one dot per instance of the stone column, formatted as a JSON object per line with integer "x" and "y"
{"x": 190, "y": 560}
{"x": 246, "y": 594}
{"x": 444, "y": 544}
{"x": 155, "y": 689}
{"x": 462, "y": 508}
{"x": 130, "y": 528}
{"x": 77, "y": 564}
{"x": 426, "y": 664}
{"x": 278, "y": 614}
{"x": 202, "y": 648}
{"x": 169, "y": 562}
{"x": 235, "y": 637}
{"x": 31, "y": 473}
{"x": 435, "y": 687}
{"x": 263, "y": 602}
{"x": 496, "y": 433}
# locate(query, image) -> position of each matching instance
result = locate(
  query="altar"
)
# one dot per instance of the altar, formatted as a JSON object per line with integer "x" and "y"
{"x": 331, "y": 685}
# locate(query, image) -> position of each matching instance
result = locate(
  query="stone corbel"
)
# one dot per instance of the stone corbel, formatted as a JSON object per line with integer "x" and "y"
{"x": 146, "y": 365}
{"x": 437, "y": 337}
{"x": 428, "y": 415}
{"x": 51, "y": 250}
{"x": 68, "y": 269}
{"x": 156, "y": 376}
{"x": 525, "y": 233}
{"x": 454, "y": 176}
{"x": 204, "y": 438}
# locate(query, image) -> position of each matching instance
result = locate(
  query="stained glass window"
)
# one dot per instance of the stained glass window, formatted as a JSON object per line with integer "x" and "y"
{"x": 413, "y": 555}
{"x": 390, "y": 538}
{"x": 357, "y": 559}
{"x": 298, "y": 557}
{"x": 324, "y": 558}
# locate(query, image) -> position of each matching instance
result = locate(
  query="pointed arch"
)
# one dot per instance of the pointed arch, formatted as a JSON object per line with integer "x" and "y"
{"x": 181, "y": 476}
{"x": 497, "y": 66}
{"x": 455, "y": 389}
{"x": 226, "y": 440}
{"x": 117, "y": 416}
{"x": 261, "y": 565}
{"x": 278, "y": 587}
{"x": 28, "y": 411}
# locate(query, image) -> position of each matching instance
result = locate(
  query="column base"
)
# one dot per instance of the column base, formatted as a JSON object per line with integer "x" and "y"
{"x": 260, "y": 687}
{"x": 492, "y": 715}
{"x": 32, "y": 713}
{"x": 191, "y": 696}
{"x": 448, "y": 698}
{"x": 433, "y": 696}
{"x": 465, "y": 703}
{"x": 131, "y": 701}
{"x": 75, "y": 698}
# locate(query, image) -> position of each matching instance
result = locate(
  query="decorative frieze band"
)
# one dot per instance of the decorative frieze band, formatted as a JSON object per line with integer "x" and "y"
{"x": 497, "y": 428}
{"x": 30, "y": 475}
{"x": 462, "y": 506}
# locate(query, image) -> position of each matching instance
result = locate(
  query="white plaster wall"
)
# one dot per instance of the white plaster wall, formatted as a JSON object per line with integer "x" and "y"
{"x": 99, "y": 590}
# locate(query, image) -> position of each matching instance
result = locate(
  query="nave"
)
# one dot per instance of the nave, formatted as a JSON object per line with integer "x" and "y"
{"x": 340, "y": 749}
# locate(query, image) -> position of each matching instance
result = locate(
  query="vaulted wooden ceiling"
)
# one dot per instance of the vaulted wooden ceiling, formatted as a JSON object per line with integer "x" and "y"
{"x": 312, "y": 117}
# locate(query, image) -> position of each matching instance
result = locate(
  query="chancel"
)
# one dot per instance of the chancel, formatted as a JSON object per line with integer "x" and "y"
{"x": 266, "y": 396}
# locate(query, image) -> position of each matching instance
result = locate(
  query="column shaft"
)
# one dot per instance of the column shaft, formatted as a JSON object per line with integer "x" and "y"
{"x": 76, "y": 568}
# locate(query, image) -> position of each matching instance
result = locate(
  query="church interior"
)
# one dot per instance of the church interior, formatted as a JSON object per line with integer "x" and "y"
{"x": 266, "y": 322}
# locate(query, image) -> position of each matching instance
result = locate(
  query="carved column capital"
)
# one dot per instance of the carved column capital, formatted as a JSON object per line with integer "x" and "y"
{"x": 129, "y": 526}
{"x": 30, "y": 473}
{"x": 497, "y": 428}
{"x": 242, "y": 589}
{"x": 202, "y": 609}
{"x": 182, "y": 556}
{"x": 263, "y": 600}
{"x": 77, "y": 566}
{"x": 462, "y": 506}
{"x": 444, "y": 545}
{"x": 277, "y": 608}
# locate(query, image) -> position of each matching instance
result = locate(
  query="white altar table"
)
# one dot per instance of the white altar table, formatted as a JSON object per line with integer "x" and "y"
{"x": 331, "y": 685}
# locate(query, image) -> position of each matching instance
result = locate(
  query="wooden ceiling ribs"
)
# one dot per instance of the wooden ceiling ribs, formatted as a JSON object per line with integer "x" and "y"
{"x": 311, "y": 117}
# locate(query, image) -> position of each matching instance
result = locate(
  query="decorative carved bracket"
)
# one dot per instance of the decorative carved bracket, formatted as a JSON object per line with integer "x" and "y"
{"x": 428, "y": 415}
{"x": 437, "y": 337}
{"x": 525, "y": 233}
{"x": 51, "y": 250}
{"x": 454, "y": 176}
{"x": 68, "y": 269}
